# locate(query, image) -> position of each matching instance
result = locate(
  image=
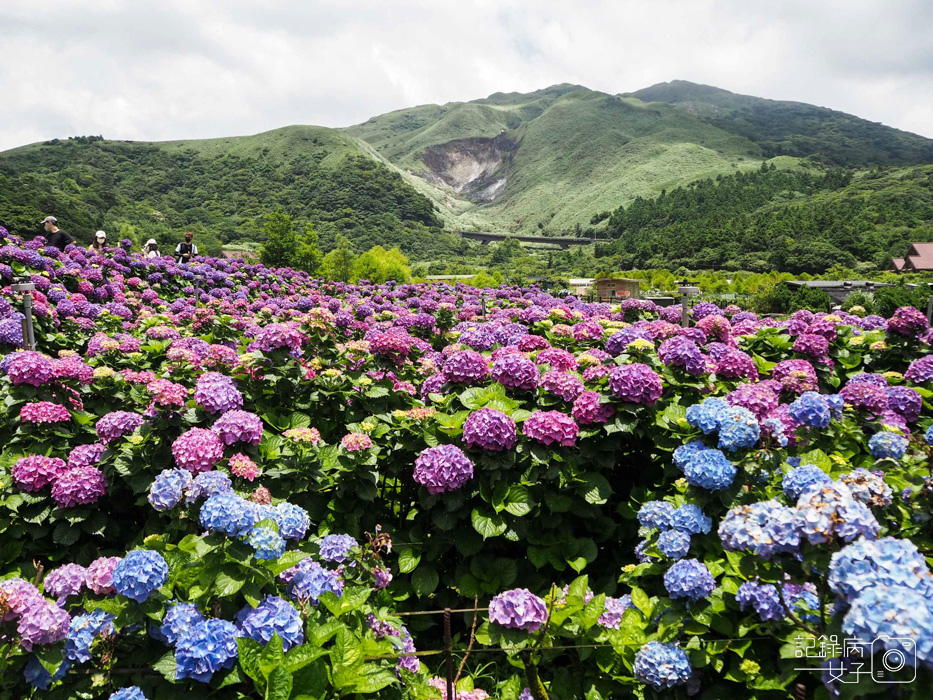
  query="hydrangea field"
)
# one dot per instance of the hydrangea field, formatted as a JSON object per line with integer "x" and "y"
{"x": 227, "y": 481}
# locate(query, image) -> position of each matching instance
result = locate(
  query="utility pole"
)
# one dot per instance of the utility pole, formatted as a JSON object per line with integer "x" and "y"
{"x": 26, "y": 287}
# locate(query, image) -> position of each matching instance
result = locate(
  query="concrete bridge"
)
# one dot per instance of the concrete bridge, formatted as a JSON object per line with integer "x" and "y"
{"x": 563, "y": 241}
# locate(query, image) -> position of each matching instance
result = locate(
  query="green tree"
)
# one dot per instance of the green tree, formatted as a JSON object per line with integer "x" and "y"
{"x": 281, "y": 240}
{"x": 308, "y": 256}
{"x": 338, "y": 264}
{"x": 379, "y": 265}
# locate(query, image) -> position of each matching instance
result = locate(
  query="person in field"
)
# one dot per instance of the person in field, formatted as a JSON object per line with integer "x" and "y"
{"x": 100, "y": 243}
{"x": 56, "y": 237}
{"x": 151, "y": 249}
{"x": 186, "y": 250}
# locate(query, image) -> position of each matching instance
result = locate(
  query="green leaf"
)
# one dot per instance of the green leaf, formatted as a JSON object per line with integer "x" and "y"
{"x": 272, "y": 655}
{"x": 50, "y": 658}
{"x": 519, "y": 501}
{"x": 372, "y": 679}
{"x": 408, "y": 560}
{"x": 65, "y": 534}
{"x": 249, "y": 652}
{"x": 279, "y": 685}
{"x": 229, "y": 580}
{"x": 425, "y": 580}
{"x": 299, "y": 420}
{"x": 641, "y": 601}
{"x": 301, "y": 656}
{"x": 488, "y": 526}
{"x": 166, "y": 666}
{"x": 595, "y": 489}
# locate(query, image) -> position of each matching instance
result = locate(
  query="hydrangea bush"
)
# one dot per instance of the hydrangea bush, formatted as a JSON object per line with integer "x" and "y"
{"x": 205, "y": 467}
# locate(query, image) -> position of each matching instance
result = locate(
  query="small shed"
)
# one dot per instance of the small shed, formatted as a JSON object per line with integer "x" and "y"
{"x": 581, "y": 286}
{"x": 837, "y": 290}
{"x": 612, "y": 288}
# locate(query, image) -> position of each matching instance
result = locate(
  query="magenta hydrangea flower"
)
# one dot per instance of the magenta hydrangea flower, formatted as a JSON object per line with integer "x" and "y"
{"x": 167, "y": 394}
{"x": 796, "y": 376}
{"x": 865, "y": 395}
{"x": 489, "y": 429}
{"x": 44, "y": 412}
{"x": 466, "y": 367}
{"x": 99, "y": 573}
{"x": 78, "y": 486}
{"x": 549, "y": 427}
{"x": 559, "y": 360}
{"x": 562, "y": 384}
{"x": 636, "y": 383}
{"x": 908, "y": 321}
{"x": 735, "y": 364}
{"x": 32, "y": 368}
{"x": 86, "y": 455}
{"x": 518, "y": 609}
{"x": 812, "y": 345}
{"x": 515, "y": 372}
{"x": 356, "y": 442}
{"x": 35, "y": 472}
{"x": 117, "y": 424}
{"x": 760, "y": 398}
{"x": 197, "y": 450}
{"x": 238, "y": 426}
{"x": 588, "y": 409}
{"x": 443, "y": 468}
{"x": 243, "y": 467}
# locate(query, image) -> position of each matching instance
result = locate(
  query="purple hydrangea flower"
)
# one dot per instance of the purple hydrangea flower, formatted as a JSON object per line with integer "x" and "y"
{"x": 65, "y": 581}
{"x": 550, "y": 427}
{"x": 272, "y": 616}
{"x": 636, "y": 383}
{"x": 518, "y": 609}
{"x": 238, "y": 426}
{"x": 117, "y": 424}
{"x": 466, "y": 367}
{"x": 490, "y": 430}
{"x": 443, "y": 468}
{"x": 197, "y": 450}
{"x": 217, "y": 393}
{"x": 515, "y": 372}
{"x": 79, "y": 486}
{"x": 336, "y": 548}
{"x": 763, "y": 598}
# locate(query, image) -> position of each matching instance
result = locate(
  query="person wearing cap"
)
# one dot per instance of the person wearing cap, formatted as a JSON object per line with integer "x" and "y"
{"x": 55, "y": 237}
{"x": 186, "y": 250}
{"x": 98, "y": 246}
{"x": 151, "y": 249}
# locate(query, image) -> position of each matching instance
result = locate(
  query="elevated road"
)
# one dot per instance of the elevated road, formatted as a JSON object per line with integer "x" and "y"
{"x": 563, "y": 241}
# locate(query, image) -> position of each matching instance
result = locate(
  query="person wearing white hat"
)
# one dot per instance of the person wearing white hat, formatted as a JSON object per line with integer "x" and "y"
{"x": 151, "y": 249}
{"x": 54, "y": 235}
{"x": 99, "y": 244}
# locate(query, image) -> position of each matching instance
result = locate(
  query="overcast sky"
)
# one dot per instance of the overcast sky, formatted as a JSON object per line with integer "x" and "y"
{"x": 135, "y": 69}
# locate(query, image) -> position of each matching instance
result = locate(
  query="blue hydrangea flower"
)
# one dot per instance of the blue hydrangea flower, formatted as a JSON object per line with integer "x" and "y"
{"x": 710, "y": 469}
{"x": 267, "y": 543}
{"x": 133, "y": 692}
{"x": 776, "y": 428}
{"x": 885, "y": 445}
{"x": 690, "y": 519}
{"x": 896, "y": 613}
{"x": 886, "y": 562}
{"x": 690, "y": 579}
{"x": 82, "y": 632}
{"x": 928, "y": 435}
{"x": 831, "y": 512}
{"x": 207, "y": 484}
{"x": 799, "y": 480}
{"x": 656, "y": 515}
{"x": 168, "y": 488}
{"x": 765, "y": 528}
{"x": 685, "y": 453}
{"x": 674, "y": 544}
{"x": 811, "y": 409}
{"x": 868, "y": 487}
{"x": 836, "y": 405}
{"x": 139, "y": 573}
{"x": 763, "y": 598}
{"x": 293, "y": 521}
{"x": 662, "y": 665}
{"x": 272, "y": 616}
{"x": 738, "y": 429}
{"x": 803, "y": 599}
{"x": 178, "y": 621}
{"x": 707, "y": 414}
{"x": 229, "y": 514}
{"x": 312, "y": 581}
{"x": 337, "y": 547}
{"x": 36, "y": 675}
{"x": 207, "y": 648}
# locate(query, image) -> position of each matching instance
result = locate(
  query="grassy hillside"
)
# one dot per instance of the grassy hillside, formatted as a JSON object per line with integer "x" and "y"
{"x": 789, "y": 220}
{"x": 578, "y": 152}
{"x": 795, "y": 128}
{"x": 218, "y": 186}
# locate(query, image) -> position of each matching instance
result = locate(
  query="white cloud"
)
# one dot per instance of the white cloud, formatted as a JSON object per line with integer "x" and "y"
{"x": 157, "y": 69}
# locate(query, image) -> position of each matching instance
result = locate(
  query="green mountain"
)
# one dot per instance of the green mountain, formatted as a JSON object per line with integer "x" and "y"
{"x": 220, "y": 188}
{"x": 549, "y": 160}
{"x": 794, "y": 128}
{"x": 789, "y": 220}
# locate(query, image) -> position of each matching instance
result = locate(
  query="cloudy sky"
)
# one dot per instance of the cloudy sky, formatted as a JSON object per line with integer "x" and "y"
{"x": 135, "y": 69}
